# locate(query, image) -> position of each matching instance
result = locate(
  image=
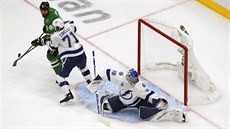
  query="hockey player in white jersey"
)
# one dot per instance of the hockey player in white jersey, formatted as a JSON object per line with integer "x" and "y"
{"x": 71, "y": 53}
{"x": 134, "y": 93}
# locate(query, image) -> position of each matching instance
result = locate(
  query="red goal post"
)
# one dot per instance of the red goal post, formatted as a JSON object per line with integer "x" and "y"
{"x": 164, "y": 50}
{"x": 143, "y": 22}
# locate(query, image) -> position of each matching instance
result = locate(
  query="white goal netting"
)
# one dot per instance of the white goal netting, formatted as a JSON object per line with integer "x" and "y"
{"x": 162, "y": 61}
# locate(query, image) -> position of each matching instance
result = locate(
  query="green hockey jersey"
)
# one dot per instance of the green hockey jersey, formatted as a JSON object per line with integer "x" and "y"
{"x": 52, "y": 15}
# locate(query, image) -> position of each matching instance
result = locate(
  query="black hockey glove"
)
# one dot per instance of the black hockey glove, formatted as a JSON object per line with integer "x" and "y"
{"x": 37, "y": 42}
{"x": 46, "y": 38}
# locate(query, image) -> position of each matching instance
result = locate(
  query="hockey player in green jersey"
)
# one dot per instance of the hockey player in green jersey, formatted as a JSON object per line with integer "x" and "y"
{"x": 50, "y": 14}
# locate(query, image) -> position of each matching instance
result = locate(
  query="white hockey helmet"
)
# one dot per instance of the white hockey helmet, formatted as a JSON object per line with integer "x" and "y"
{"x": 58, "y": 24}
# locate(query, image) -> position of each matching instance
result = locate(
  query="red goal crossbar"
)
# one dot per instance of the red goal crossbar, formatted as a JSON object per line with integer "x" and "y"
{"x": 140, "y": 22}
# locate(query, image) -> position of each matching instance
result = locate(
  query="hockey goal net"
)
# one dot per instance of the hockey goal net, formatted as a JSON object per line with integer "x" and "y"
{"x": 166, "y": 58}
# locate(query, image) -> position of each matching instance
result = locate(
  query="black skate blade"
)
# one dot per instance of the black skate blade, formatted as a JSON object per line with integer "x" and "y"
{"x": 70, "y": 102}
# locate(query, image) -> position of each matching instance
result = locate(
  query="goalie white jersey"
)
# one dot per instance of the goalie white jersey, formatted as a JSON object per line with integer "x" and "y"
{"x": 133, "y": 92}
{"x": 129, "y": 94}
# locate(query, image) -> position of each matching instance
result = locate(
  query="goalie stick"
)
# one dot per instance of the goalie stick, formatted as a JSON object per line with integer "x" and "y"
{"x": 27, "y": 51}
{"x": 101, "y": 119}
{"x": 94, "y": 70}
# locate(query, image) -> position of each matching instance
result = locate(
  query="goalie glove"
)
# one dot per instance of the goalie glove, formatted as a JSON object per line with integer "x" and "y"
{"x": 161, "y": 103}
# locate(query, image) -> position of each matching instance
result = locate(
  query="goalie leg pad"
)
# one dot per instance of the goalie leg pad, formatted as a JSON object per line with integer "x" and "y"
{"x": 104, "y": 105}
{"x": 116, "y": 104}
{"x": 111, "y": 103}
{"x": 147, "y": 113}
{"x": 170, "y": 115}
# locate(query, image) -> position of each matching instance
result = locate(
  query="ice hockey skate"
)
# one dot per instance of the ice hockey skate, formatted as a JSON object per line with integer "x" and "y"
{"x": 69, "y": 99}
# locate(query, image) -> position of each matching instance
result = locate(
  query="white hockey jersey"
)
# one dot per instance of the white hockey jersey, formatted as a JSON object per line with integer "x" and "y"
{"x": 128, "y": 94}
{"x": 66, "y": 42}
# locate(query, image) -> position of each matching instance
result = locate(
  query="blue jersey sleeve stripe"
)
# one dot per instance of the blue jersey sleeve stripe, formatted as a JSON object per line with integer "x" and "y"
{"x": 72, "y": 52}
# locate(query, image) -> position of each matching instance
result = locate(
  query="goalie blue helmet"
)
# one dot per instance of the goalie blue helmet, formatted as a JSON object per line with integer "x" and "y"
{"x": 132, "y": 76}
{"x": 133, "y": 73}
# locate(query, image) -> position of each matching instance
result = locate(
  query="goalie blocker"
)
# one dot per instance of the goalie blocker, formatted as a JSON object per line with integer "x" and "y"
{"x": 96, "y": 84}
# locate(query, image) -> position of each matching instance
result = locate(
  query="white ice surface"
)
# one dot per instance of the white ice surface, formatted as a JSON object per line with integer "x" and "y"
{"x": 30, "y": 96}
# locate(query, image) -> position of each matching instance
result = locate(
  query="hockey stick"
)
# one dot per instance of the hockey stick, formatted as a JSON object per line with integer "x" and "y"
{"x": 27, "y": 51}
{"x": 20, "y": 56}
{"x": 101, "y": 119}
{"x": 94, "y": 70}
{"x": 94, "y": 64}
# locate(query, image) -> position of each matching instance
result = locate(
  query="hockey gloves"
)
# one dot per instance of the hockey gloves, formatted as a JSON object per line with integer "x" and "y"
{"x": 37, "y": 42}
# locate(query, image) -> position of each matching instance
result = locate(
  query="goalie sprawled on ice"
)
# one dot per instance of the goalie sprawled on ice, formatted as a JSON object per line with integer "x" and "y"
{"x": 134, "y": 93}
